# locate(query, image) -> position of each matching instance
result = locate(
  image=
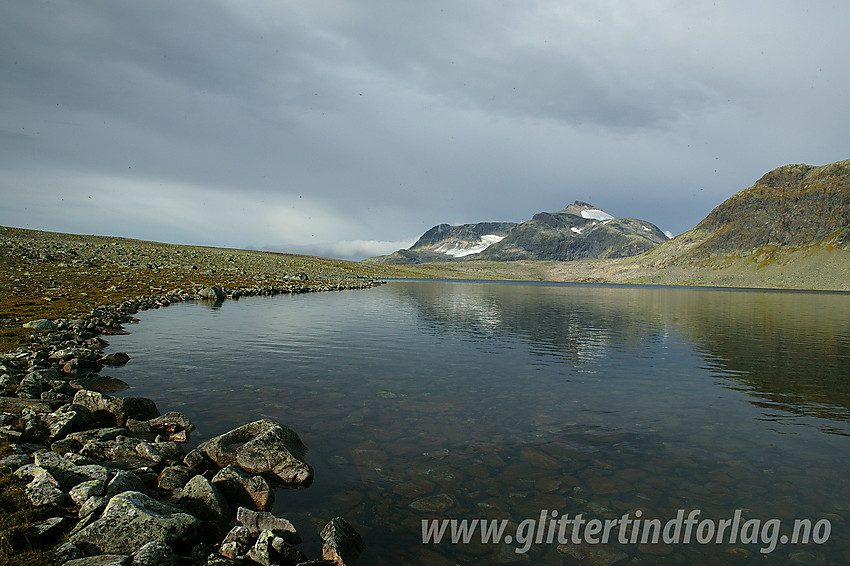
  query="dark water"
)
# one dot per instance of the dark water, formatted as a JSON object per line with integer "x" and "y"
{"x": 424, "y": 400}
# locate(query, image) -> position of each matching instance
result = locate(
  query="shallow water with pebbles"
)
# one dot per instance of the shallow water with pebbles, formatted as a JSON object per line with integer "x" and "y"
{"x": 463, "y": 400}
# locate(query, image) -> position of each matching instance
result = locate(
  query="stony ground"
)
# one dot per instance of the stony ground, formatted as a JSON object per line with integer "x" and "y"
{"x": 50, "y": 275}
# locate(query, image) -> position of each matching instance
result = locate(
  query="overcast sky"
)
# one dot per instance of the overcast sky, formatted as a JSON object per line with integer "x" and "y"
{"x": 347, "y": 129}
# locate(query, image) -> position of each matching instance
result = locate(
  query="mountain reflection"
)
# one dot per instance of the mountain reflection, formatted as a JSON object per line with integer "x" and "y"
{"x": 788, "y": 351}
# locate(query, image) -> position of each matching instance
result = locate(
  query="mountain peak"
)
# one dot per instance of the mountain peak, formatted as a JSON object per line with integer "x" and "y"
{"x": 586, "y": 210}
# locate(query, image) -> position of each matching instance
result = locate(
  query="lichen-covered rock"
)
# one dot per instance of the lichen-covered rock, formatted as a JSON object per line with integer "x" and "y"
{"x": 174, "y": 478}
{"x": 44, "y": 489}
{"x": 67, "y": 552}
{"x": 116, "y": 359}
{"x": 159, "y": 451}
{"x": 271, "y": 549}
{"x": 67, "y": 419}
{"x": 131, "y": 520}
{"x": 237, "y": 542}
{"x": 92, "y": 505}
{"x": 259, "y": 521}
{"x": 124, "y": 481}
{"x": 32, "y": 386}
{"x": 340, "y": 542}
{"x": 41, "y": 324}
{"x": 154, "y": 553}
{"x": 116, "y": 410}
{"x": 215, "y": 292}
{"x": 203, "y": 499}
{"x": 175, "y": 426}
{"x": 261, "y": 447}
{"x": 244, "y": 490}
{"x": 83, "y": 491}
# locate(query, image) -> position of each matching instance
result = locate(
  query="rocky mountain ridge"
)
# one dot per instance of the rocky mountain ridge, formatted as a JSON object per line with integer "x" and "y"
{"x": 579, "y": 231}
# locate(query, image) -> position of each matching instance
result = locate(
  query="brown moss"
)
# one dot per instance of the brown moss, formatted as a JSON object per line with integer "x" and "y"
{"x": 17, "y": 521}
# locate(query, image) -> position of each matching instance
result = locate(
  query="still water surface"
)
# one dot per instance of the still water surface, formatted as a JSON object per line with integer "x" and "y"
{"x": 466, "y": 400}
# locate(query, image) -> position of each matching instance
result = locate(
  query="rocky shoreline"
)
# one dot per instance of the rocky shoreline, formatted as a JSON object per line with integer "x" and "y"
{"x": 113, "y": 473}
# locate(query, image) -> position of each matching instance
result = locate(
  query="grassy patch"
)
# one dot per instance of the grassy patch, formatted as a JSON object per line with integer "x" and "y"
{"x": 17, "y": 519}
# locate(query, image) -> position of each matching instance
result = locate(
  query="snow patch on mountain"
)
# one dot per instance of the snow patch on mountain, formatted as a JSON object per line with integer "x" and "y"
{"x": 595, "y": 214}
{"x": 463, "y": 249}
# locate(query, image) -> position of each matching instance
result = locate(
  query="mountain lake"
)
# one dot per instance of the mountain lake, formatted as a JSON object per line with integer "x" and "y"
{"x": 440, "y": 400}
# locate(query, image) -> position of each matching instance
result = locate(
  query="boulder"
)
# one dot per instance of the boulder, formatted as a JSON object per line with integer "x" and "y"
{"x": 131, "y": 520}
{"x": 244, "y": 490}
{"x": 41, "y": 324}
{"x": 261, "y": 447}
{"x": 203, "y": 499}
{"x": 261, "y": 552}
{"x": 340, "y": 542}
{"x": 175, "y": 426}
{"x": 154, "y": 553}
{"x": 116, "y": 410}
{"x": 124, "y": 481}
{"x": 237, "y": 542}
{"x": 80, "y": 493}
{"x": 174, "y": 478}
{"x": 44, "y": 489}
{"x": 159, "y": 451}
{"x": 215, "y": 292}
{"x": 67, "y": 419}
{"x": 116, "y": 359}
{"x": 259, "y": 521}
{"x": 67, "y": 552}
{"x": 32, "y": 386}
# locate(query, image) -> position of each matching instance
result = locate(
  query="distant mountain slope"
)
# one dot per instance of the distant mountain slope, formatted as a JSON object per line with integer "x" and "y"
{"x": 579, "y": 231}
{"x": 788, "y": 209}
{"x": 790, "y": 229}
{"x": 447, "y": 243}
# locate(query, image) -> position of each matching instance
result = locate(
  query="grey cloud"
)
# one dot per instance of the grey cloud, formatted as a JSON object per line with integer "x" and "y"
{"x": 373, "y": 121}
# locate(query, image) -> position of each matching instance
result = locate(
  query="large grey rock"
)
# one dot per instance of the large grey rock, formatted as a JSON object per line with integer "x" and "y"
{"x": 83, "y": 491}
{"x": 261, "y": 552}
{"x": 174, "y": 478}
{"x": 261, "y": 447}
{"x": 175, "y": 426}
{"x": 159, "y": 451}
{"x": 259, "y": 521}
{"x": 204, "y": 500}
{"x": 67, "y": 552}
{"x": 214, "y": 292}
{"x": 237, "y": 542}
{"x": 244, "y": 490}
{"x": 32, "y": 386}
{"x": 124, "y": 481}
{"x": 340, "y": 542}
{"x": 154, "y": 553}
{"x": 131, "y": 520}
{"x": 67, "y": 419}
{"x": 116, "y": 409}
{"x": 41, "y": 324}
{"x": 44, "y": 489}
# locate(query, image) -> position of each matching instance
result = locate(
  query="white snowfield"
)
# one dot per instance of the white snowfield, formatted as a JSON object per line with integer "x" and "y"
{"x": 595, "y": 214}
{"x": 460, "y": 249}
{"x": 576, "y": 230}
